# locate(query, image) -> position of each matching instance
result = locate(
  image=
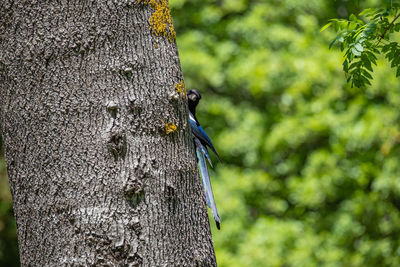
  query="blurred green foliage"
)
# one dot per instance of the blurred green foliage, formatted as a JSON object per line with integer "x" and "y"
{"x": 311, "y": 171}
{"x": 8, "y": 238}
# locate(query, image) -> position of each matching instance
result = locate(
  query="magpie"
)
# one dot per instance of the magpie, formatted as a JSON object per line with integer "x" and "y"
{"x": 201, "y": 142}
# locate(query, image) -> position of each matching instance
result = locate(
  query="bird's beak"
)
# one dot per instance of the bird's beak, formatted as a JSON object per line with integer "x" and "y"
{"x": 192, "y": 97}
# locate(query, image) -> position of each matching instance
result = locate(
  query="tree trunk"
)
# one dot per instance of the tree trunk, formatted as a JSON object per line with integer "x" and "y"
{"x": 98, "y": 148}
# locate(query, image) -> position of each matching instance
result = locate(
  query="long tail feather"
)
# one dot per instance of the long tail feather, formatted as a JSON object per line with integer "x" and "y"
{"x": 206, "y": 183}
{"x": 204, "y": 151}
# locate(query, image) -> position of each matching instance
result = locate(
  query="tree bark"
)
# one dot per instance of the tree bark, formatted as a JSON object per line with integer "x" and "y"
{"x": 99, "y": 174}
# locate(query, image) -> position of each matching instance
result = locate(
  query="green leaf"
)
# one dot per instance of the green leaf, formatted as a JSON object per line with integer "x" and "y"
{"x": 351, "y": 56}
{"x": 398, "y": 72}
{"x": 332, "y": 43}
{"x": 367, "y": 65}
{"x": 393, "y": 63}
{"x": 359, "y": 47}
{"x": 352, "y": 26}
{"x": 345, "y": 65}
{"x": 370, "y": 28}
{"x": 355, "y": 52}
{"x": 385, "y": 48}
{"x": 365, "y": 80}
{"x": 353, "y": 17}
{"x": 367, "y": 74}
{"x": 366, "y": 11}
{"x": 354, "y": 65}
{"x": 377, "y": 16}
{"x": 326, "y": 27}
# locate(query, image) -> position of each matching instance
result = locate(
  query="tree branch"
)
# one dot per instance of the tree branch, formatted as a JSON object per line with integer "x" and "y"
{"x": 388, "y": 27}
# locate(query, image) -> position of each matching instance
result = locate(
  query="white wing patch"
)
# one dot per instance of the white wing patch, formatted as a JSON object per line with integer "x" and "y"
{"x": 191, "y": 117}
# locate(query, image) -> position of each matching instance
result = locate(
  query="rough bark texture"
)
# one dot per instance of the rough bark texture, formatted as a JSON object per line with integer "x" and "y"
{"x": 86, "y": 91}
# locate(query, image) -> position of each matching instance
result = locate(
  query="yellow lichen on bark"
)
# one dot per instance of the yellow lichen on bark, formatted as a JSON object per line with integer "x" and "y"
{"x": 161, "y": 19}
{"x": 170, "y": 127}
{"x": 180, "y": 88}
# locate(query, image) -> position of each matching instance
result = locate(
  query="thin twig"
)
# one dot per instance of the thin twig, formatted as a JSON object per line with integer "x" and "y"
{"x": 388, "y": 27}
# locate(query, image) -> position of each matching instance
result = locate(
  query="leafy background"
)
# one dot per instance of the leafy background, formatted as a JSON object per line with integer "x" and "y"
{"x": 311, "y": 166}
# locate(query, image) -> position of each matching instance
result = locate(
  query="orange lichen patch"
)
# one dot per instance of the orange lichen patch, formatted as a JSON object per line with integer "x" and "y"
{"x": 170, "y": 127}
{"x": 180, "y": 88}
{"x": 161, "y": 19}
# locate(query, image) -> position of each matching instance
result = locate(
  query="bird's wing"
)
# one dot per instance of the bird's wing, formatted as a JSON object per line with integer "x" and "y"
{"x": 199, "y": 132}
{"x": 206, "y": 181}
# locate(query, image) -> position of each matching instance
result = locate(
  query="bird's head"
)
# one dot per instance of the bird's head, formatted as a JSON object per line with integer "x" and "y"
{"x": 194, "y": 95}
{"x": 193, "y": 99}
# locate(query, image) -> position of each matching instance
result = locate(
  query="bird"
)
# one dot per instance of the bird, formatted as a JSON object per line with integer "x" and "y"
{"x": 201, "y": 142}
